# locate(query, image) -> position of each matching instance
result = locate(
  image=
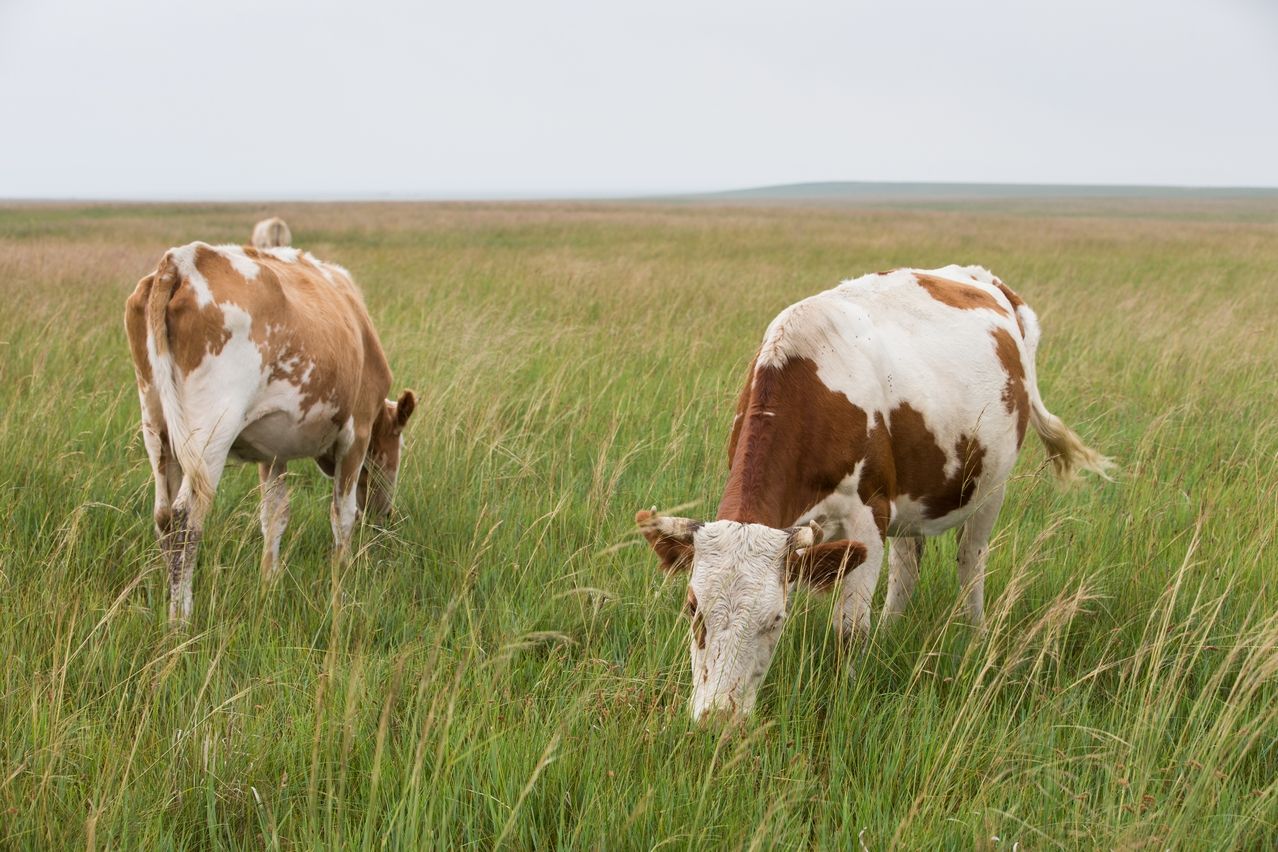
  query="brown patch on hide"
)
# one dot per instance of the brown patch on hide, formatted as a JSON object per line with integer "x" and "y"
{"x": 921, "y": 461}
{"x": 743, "y": 406}
{"x": 793, "y": 444}
{"x": 1016, "y": 301}
{"x": 963, "y": 296}
{"x": 1015, "y": 394}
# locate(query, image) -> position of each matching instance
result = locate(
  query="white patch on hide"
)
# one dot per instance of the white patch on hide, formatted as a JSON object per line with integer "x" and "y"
{"x": 184, "y": 258}
{"x": 288, "y": 254}
{"x": 243, "y": 264}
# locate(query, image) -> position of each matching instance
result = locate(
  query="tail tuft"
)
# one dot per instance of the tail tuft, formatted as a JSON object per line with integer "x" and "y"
{"x": 1065, "y": 449}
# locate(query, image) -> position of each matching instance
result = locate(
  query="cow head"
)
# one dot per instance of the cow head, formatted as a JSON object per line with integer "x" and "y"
{"x": 736, "y": 602}
{"x": 381, "y": 464}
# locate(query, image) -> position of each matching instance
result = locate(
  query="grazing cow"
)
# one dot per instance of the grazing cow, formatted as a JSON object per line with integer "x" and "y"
{"x": 271, "y": 233}
{"x": 260, "y": 356}
{"x": 892, "y": 405}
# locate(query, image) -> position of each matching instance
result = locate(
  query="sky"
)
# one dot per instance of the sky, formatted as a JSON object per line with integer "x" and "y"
{"x": 253, "y": 99}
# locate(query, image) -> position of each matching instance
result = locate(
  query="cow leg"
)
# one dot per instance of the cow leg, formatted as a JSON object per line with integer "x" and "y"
{"x": 274, "y": 513}
{"x": 853, "y": 616}
{"x": 904, "y": 556}
{"x": 200, "y": 477}
{"x": 165, "y": 472}
{"x": 164, "y": 468}
{"x": 973, "y": 546}
{"x": 172, "y": 472}
{"x": 349, "y": 455}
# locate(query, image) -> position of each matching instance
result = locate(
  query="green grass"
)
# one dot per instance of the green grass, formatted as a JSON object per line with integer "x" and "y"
{"x": 505, "y": 665}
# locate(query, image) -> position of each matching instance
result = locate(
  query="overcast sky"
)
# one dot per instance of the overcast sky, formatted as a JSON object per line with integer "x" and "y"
{"x": 467, "y": 98}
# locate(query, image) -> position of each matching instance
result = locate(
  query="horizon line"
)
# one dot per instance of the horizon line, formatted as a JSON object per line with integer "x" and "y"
{"x": 628, "y": 195}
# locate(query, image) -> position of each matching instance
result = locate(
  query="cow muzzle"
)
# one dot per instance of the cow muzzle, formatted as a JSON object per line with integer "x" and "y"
{"x": 724, "y": 707}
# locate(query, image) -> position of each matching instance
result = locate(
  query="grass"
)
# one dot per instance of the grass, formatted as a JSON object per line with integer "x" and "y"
{"x": 505, "y": 667}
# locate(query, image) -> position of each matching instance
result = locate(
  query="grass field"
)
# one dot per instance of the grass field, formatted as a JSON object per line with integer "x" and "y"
{"x": 506, "y": 667}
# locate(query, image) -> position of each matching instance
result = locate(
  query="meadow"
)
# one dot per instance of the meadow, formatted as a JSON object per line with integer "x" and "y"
{"x": 503, "y": 665}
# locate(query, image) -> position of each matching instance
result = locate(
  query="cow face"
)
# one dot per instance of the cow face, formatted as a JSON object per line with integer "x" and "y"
{"x": 736, "y": 602}
{"x": 381, "y": 463}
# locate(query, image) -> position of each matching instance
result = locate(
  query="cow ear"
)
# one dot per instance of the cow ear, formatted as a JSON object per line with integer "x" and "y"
{"x": 671, "y": 538}
{"x": 823, "y": 565}
{"x": 404, "y": 408}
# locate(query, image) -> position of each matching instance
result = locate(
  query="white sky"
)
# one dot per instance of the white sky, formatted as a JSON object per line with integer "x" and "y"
{"x": 477, "y": 98}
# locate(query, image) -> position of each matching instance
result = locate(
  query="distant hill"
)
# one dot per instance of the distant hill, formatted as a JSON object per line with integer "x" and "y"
{"x": 857, "y": 191}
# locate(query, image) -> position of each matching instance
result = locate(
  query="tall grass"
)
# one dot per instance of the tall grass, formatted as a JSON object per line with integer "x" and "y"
{"x": 503, "y": 665}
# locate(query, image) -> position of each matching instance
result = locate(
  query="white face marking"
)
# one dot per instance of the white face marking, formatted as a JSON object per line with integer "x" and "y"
{"x": 738, "y": 583}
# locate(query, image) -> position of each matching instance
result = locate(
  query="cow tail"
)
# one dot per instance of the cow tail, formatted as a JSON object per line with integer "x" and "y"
{"x": 167, "y": 381}
{"x": 280, "y": 235}
{"x": 1066, "y": 451}
{"x": 157, "y": 308}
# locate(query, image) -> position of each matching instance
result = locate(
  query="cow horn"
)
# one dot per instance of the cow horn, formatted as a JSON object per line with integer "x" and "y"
{"x": 805, "y": 536}
{"x": 680, "y": 529}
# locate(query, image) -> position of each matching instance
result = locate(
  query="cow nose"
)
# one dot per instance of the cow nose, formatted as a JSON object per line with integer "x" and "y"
{"x": 717, "y": 713}
{"x": 717, "y": 717}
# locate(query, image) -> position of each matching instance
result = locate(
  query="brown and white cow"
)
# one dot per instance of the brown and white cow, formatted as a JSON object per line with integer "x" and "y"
{"x": 261, "y": 356}
{"x": 271, "y": 233}
{"x": 893, "y": 405}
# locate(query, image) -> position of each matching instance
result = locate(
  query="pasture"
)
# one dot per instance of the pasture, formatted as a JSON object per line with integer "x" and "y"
{"x": 504, "y": 665}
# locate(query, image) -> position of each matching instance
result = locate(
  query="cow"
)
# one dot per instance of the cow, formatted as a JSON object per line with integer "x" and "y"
{"x": 271, "y": 233}
{"x": 893, "y": 405}
{"x": 258, "y": 355}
